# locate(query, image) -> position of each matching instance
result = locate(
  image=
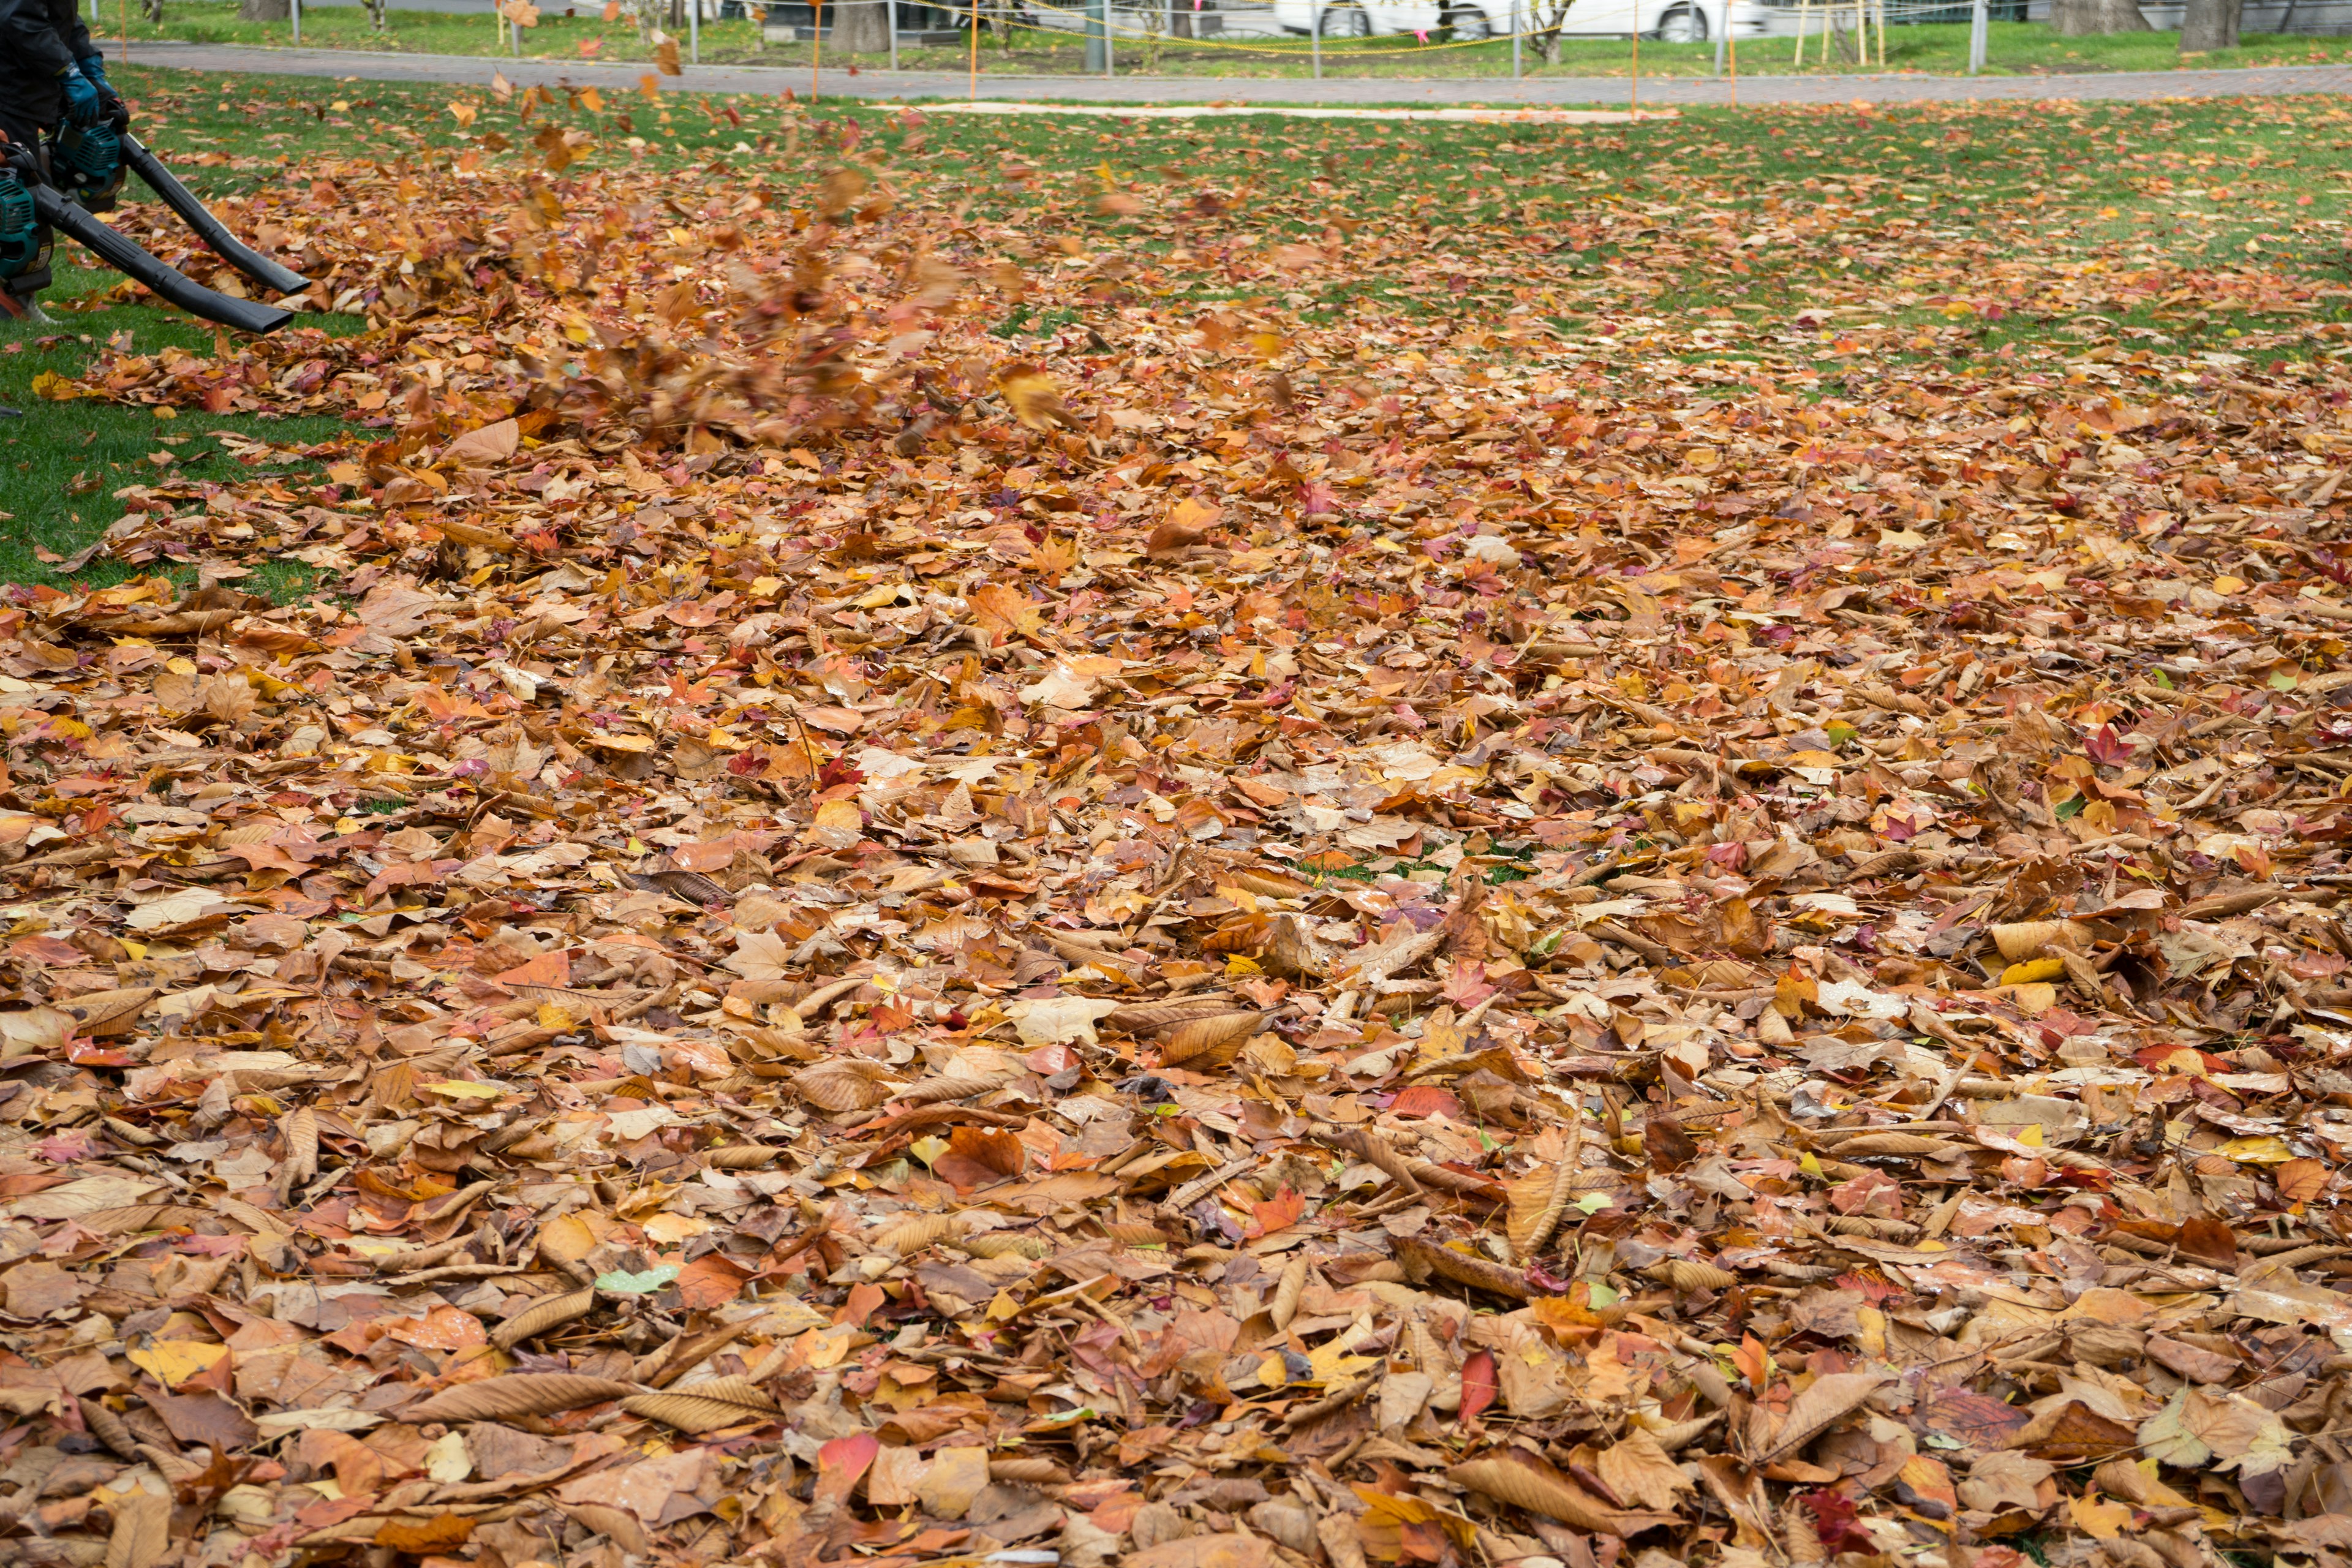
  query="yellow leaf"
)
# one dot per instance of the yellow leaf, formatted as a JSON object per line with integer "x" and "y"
{"x": 173, "y": 1361}
{"x": 551, "y": 1016}
{"x": 2096, "y": 1517}
{"x": 1395, "y": 1508}
{"x": 2033, "y": 998}
{"x": 460, "y": 1089}
{"x": 1035, "y": 401}
{"x": 2266, "y": 1150}
{"x": 2033, "y": 969}
{"x": 839, "y": 824}
{"x": 1006, "y": 611}
{"x": 1441, "y": 1037}
{"x": 572, "y": 1238}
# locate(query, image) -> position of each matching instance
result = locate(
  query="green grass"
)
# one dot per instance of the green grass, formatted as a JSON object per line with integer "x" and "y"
{"x": 61, "y": 463}
{"x": 2005, "y": 205}
{"x": 579, "y": 33}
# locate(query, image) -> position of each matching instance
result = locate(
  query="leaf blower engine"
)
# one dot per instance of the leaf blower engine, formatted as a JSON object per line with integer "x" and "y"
{"x": 80, "y": 172}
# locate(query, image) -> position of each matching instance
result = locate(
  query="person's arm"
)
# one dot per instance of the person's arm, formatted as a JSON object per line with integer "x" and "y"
{"x": 27, "y": 32}
{"x": 68, "y": 17}
{"x": 93, "y": 70}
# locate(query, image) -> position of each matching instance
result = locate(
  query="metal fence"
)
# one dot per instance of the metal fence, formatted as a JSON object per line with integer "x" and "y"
{"x": 1314, "y": 33}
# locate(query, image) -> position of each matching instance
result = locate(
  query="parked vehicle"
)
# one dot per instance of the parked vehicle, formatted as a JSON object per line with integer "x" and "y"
{"x": 1669, "y": 21}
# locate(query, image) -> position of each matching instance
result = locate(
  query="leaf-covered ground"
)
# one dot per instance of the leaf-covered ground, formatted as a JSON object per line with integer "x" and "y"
{"x": 1206, "y": 846}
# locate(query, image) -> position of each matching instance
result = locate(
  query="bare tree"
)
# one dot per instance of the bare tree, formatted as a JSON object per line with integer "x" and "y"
{"x": 2209, "y": 25}
{"x": 861, "y": 27}
{"x": 2080, "y": 18}
{"x": 264, "y": 11}
{"x": 1544, "y": 19}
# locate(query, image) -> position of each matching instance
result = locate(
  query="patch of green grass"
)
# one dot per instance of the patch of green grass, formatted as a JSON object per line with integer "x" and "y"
{"x": 1023, "y": 322}
{"x": 60, "y": 463}
{"x": 573, "y": 33}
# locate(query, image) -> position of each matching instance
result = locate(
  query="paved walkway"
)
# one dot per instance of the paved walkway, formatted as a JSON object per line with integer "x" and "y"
{"x": 893, "y": 86}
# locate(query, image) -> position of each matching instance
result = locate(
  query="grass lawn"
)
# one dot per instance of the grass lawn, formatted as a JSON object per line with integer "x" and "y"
{"x": 1864, "y": 228}
{"x": 579, "y": 33}
{"x": 61, "y": 462}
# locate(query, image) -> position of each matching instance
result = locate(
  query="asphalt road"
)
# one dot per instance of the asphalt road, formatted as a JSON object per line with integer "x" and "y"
{"x": 1456, "y": 92}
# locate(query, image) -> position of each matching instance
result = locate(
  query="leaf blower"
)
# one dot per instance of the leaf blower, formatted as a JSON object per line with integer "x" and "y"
{"x": 82, "y": 174}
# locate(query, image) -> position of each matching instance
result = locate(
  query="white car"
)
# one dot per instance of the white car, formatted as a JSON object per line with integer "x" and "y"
{"x": 1669, "y": 21}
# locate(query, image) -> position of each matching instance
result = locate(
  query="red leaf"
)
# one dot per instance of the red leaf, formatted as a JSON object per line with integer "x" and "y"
{"x": 1427, "y": 1100}
{"x": 842, "y": 1463}
{"x": 2108, "y": 748}
{"x": 1835, "y": 1521}
{"x": 1047, "y": 1060}
{"x": 1477, "y": 1384}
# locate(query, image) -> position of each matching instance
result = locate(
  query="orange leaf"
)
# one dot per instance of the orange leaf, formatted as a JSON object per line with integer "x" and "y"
{"x": 992, "y": 1147}
{"x": 2301, "y": 1180}
{"x": 437, "y": 1534}
{"x": 1282, "y": 1212}
{"x": 547, "y": 969}
{"x": 710, "y": 1281}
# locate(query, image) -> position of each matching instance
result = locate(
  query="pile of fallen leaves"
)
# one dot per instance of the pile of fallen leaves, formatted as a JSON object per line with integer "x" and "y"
{"x": 1234, "y": 941}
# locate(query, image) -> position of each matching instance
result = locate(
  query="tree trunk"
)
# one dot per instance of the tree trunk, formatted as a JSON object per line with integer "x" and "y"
{"x": 861, "y": 27}
{"x": 2209, "y": 25}
{"x": 2079, "y": 18}
{"x": 264, "y": 11}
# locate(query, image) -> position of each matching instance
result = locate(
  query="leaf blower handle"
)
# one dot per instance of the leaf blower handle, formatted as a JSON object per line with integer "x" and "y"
{"x": 209, "y": 229}
{"x": 124, "y": 255}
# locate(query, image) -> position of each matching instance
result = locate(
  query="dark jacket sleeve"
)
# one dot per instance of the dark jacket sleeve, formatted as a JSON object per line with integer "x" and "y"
{"x": 66, "y": 16}
{"x": 29, "y": 37}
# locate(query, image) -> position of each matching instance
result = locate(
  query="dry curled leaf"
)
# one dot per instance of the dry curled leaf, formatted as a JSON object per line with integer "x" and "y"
{"x": 1827, "y": 1401}
{"x": 514, "y": 1395}
{"x": 543, "y": 1317}
{"x": 1201, "y": 1044}
{"x": 842, "y": 1086}
{"x": 1523, "y": 1481}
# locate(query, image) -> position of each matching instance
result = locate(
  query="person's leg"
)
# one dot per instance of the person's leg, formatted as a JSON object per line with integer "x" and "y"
{"x": 24, "y": 244}
{"x": 22, "y": 121}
